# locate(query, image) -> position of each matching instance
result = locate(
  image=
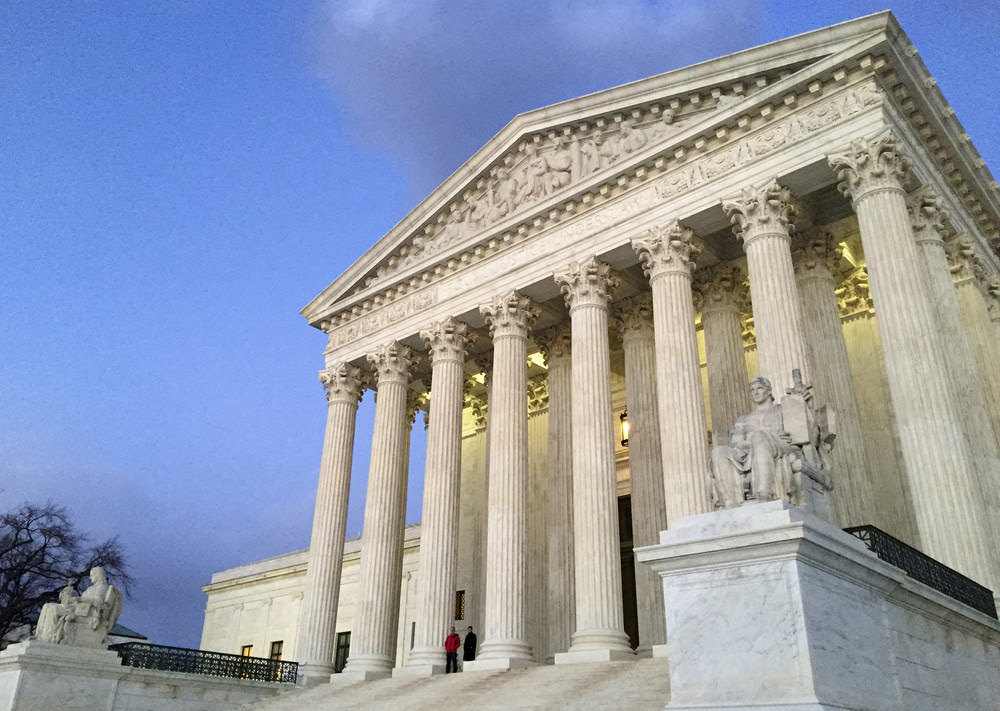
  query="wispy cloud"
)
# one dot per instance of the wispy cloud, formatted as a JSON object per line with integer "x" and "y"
{"x": 429, "y": 82}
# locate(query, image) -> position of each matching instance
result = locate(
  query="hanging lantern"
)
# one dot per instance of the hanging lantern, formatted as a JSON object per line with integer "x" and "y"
{"x": 624, "y": 420}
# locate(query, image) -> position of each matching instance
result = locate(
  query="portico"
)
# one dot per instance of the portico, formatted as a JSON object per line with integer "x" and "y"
{"x": 728, "y": 219}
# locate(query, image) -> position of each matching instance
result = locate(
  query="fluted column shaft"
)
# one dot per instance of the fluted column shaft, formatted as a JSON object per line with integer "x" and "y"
{"x": 597, "y": 555}
{"x": 938, "y": 467}
{"x": 439, "y": 528}
{"x": 667, "y": 256}
{"x": 982, "y": 333}
{"x": 725, "y": 357}
{"x": 557, "y": 348}
{"x": 962, "y": 370}
{"x": 762, "y": 219}
{"x": 373, "y": 640}
{"x": 510, "y": 317}
{"x": 649, "y": 510}
{"x": 326, "y": 549}
{"x": 832, "y": 375}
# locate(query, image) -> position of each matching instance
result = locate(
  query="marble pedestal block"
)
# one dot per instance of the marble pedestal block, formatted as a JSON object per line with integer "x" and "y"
{"x": 770, "y": 607}
{"x": 37, "y": 675}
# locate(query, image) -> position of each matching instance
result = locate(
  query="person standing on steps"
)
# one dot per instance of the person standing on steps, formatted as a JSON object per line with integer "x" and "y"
{"x": 451, "y": 645}
{"x": 469, "y": 647}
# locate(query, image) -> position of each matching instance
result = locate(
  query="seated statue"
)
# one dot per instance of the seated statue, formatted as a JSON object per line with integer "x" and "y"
{"x": 777, "y": 452}
{"x": 82, "y": 621}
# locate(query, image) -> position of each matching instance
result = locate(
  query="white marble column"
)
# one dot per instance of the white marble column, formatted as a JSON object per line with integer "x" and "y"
{"x": 815, "y": 259}
{"x": 927, "y": 221}
{"x": 556, "y": 345}
{"x": 668, "y": 255}
{"x": 649, "y": 510}
{"x": 938, "y": 465}
{"x": 317, "y": 634}
{"x": 505, "y": 645}
{"x": 974, "y": 301}
{"x": 725, "y": 357}
{"x": 484, "y": 362}
{"x": 762, "y": 218}
{"x": 373, "y": 640}
{"x": 600, "y": 631}
{"x": 446, "y": 341}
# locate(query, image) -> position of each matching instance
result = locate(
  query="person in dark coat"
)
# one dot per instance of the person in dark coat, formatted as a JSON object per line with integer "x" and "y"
{"x": 469, "y": 647}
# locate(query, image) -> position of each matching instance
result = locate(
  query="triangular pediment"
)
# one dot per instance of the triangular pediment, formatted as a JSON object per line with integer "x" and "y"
{"x": 547, "y": 156}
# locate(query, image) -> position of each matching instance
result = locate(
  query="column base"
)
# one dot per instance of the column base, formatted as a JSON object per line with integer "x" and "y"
{"x": 352, "y": 677}
{"x": 499, "y": 664}
{"x": 594, "y": 656}
{"x": 661, "y": 651}
{"x": 417, "y": 671}
{"x": 311, "y": 675}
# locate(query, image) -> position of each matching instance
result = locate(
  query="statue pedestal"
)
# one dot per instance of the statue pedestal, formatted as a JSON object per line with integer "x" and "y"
{"x": 38, "y": 675}
{"x": 768, "y": 606}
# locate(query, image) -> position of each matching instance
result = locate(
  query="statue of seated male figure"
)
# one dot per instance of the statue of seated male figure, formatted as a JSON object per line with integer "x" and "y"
{"x": 777, "y": 452}
{"x": 82, "y": 621}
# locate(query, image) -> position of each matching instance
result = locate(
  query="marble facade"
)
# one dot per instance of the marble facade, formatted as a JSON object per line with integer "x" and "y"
{"x": 811, "y": 204}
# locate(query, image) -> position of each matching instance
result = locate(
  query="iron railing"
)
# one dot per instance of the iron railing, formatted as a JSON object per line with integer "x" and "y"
{"x": 926, "y": 570}
{"x": 196, "y": 661}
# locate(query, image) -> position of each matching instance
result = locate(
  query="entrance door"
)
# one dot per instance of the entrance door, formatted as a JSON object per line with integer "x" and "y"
{"x": 630, "y": 608}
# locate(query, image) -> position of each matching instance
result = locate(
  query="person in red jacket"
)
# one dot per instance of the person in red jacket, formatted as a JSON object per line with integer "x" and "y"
{"x": 451, "y": 645}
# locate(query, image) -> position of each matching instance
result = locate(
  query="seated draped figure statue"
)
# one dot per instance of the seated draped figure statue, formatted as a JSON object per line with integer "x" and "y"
{"x": 82, "y": 621}
{"x": 777, "y": 452}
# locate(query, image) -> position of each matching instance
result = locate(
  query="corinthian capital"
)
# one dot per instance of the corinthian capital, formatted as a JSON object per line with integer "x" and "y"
{"x": 854, "y": 293}
{"x": 764, "y": 210}
{"x": 555, "y": 342}
{"x": 926, "y": 215}
{"x": 448, "y": 340}
{"x": 869, "y": 165}
{"x": 343, "y": 383}
{"x": 963, "y": 258}
{"x": 393, "y": 362}
{"x": 719, "y": 287}
{"x": 588, "y": 283}
{"x": 509, "y": 315}
{"x": 817, "y": 255}
{"x": 415, "y": 402}
{"x": 667, "y": 250}
{"x": 634, "y": 317}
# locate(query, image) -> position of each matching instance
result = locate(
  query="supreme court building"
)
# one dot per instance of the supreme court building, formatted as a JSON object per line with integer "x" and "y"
{"x": 810, "y": 204}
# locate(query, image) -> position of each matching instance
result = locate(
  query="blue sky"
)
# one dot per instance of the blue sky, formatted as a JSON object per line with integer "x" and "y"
{"x": 179, "y": 178}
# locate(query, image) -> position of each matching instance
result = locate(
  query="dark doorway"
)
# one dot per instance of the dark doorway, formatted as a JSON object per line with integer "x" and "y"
{"x": 630, "y": 609}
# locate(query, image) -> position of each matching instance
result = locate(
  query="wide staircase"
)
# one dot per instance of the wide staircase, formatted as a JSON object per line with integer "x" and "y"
{"x": 637, "y": 685}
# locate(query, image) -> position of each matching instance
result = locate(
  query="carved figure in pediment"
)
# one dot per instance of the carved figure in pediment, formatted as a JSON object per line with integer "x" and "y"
{"x": 505, "y": 193}
{"x": 664, "y": 127}
{"x": 538, "y": 177}
{"x": 597, "y": 152}
{"x": 777, "y": 452}
{"x": 630, "y": 139}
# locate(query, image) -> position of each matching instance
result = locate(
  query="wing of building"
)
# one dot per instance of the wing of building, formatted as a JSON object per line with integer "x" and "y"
{"x": 811, "y": 204}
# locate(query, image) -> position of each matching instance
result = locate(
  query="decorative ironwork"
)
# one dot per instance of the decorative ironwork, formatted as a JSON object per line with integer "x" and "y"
{"x": 926, "y": 570}
{"x": 196, "y": 661}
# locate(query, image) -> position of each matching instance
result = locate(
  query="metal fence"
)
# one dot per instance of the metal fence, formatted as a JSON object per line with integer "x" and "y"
{"x": 926, "y": 570}
{"x": 195, "y": 661}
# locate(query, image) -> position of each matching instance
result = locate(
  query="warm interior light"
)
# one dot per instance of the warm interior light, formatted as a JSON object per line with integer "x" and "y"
{"x": 625, "y": 427}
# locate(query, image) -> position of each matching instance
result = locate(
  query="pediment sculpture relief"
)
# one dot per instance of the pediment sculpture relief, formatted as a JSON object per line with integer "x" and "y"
{"x": 542, "y": 168}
